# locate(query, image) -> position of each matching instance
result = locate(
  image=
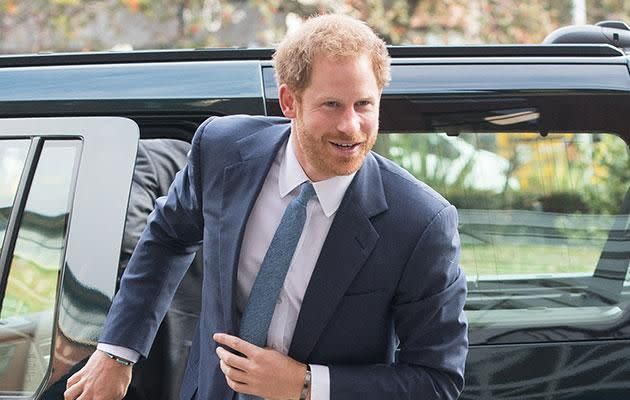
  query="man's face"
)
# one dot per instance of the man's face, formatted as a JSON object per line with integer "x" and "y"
{"x": 335, "y": 119}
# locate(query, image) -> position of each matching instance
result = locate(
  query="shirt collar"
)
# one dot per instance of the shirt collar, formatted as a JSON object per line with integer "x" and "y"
{"x": 329, "y": 192}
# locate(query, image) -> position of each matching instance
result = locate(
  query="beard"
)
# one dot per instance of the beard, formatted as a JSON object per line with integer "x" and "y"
{"x": 323, "y": 160}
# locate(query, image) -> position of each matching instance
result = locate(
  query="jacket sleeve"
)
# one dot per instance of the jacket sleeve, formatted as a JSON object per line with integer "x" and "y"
{"x": 429, "y": 322}
{"x": 164, "y": 252}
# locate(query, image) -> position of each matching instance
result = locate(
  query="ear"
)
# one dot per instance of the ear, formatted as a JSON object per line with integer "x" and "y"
{"x": 288, "y": 101}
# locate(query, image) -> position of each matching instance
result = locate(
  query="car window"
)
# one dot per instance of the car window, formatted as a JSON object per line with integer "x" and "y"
{"x": 543, "y": 224}
{"x": 12, "y": 156}
{"x": 28, "y": 309}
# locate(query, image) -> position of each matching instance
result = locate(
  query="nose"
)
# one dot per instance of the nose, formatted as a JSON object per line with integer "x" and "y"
{"x": 349, "y": 122}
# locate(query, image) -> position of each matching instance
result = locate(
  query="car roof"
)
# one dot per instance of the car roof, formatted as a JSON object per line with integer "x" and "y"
{"x": 235, "y": 54}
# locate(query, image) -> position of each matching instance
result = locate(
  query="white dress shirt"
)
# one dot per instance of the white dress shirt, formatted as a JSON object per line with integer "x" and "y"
{"x": 280, "y": 187}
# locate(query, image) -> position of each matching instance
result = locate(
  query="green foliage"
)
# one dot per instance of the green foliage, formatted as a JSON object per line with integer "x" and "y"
{"x": 573, "y": 174}
{"x": 67, "y": 2}
{"x": 611, "y": 182}
{"x": 463, "y": 198}
{"x": 492, "y": 259}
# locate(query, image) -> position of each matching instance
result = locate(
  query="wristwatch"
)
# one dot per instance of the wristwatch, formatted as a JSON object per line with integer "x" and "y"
{"x": 119, "y": 360}
{"x": 307, "y": 383}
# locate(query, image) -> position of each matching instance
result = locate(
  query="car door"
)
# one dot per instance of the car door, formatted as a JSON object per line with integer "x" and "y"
{"x": 64, "y": 187}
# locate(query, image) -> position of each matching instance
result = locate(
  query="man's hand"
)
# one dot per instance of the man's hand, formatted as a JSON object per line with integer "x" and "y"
{"x": 100, "y": 379}
{"x": 261, "y": 372}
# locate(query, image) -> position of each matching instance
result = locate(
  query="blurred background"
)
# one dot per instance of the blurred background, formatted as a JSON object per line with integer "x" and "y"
{"x": 96, "y": 25}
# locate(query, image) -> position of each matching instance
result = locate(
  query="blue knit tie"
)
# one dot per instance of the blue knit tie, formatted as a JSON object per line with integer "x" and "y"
{"x": 273, "y": 270}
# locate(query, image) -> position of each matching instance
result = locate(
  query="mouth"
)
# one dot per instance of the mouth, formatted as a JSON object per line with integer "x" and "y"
{"x": 345, "y": 146}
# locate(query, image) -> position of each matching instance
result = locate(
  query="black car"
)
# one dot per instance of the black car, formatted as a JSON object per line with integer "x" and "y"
{"x": 529, "y": 142}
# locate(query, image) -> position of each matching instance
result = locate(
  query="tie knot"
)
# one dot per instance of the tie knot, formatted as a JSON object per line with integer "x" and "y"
{"x": 306, "y": 192}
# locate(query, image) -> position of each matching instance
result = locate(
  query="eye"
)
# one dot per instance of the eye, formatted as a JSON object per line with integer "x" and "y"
{"x": 331, "y": 104}
{"x": 363, "y": 103}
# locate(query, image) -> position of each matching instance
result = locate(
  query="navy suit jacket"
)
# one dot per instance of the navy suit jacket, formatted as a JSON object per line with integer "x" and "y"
{"x": 387, "y": 276}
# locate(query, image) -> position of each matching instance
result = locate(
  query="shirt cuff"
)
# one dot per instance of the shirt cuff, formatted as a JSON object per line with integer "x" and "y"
{"x": 320, "y": 382}
{"x": 119, "y": 351}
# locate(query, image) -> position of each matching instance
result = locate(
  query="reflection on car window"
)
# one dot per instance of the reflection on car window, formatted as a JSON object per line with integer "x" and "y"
{"x": 29, "y": 304}
{"x": 12, "y": 157}
{"x": 544, "y": 227}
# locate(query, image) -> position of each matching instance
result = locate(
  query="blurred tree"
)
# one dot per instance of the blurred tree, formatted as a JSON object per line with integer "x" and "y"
{"x": 611, "y": 176}
{"x": 48, "y": 24}
{"x": 509, "y": 21}
{"x": 440, "y": 21}
{"x": 63, "y": 25}
{"x": 600, "y": 10}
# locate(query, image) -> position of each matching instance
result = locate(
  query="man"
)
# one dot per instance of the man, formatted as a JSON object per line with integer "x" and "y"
{"x": 375, "y": 266}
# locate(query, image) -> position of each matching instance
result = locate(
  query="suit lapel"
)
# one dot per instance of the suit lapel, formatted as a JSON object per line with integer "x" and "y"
{"x": 347, "y": 247}
{"x": 242, "y": 182}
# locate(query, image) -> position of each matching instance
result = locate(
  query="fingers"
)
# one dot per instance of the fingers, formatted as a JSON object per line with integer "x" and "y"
{"x": 234, "y": 366}
{"x": 236, "y": 343}
{"x": 234, "y": 374}
{"x": 237, "y": 386}
{"x": 73, "y": 379}
{"x": 73, "y": 390}
{"x": 262, "y": 372}
{"x": 100, "y": 378}
{"x": 233, "y": 360}
{"x": 235, "y": 378}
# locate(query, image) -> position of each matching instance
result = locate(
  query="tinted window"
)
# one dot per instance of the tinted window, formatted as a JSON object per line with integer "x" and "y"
{"x": 28, "y": 310}
{"x": 12, "y": 157}
{"x": 543, "y": 223}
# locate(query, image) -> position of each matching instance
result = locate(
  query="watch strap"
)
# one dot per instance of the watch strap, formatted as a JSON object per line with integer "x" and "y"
{"x": 307, "y": 383}
{"x": 119, "y": 360}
